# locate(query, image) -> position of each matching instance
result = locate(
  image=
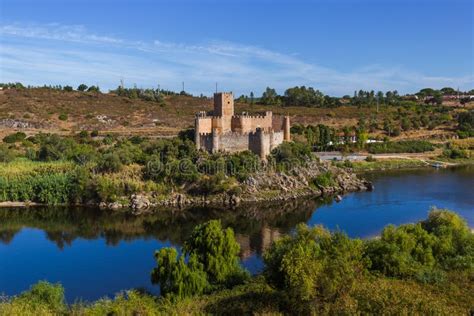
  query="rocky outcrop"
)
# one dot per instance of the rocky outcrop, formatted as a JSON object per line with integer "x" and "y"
{"x": 262, "y": 186}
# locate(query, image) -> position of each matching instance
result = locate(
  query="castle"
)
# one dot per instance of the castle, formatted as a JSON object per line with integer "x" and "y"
{"x": 225, "y": 131}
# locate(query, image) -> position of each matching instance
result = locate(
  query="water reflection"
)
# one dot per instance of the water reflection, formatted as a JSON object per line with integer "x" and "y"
{"x": 255, "y": 226}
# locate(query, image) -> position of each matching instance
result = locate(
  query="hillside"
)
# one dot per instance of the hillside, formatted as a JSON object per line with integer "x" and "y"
{"x": 49, "y": 110}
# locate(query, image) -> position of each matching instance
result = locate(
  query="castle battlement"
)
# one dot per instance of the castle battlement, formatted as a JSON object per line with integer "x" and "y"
{"x": 225, "y": 131}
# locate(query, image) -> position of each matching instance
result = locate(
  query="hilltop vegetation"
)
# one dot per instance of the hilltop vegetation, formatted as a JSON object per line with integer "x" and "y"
{"x": 158, "y": 112}
{"x": 421, "y": 268}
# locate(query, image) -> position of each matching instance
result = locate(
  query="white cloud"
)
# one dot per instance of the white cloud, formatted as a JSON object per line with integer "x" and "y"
{"x": 59, "y": 54}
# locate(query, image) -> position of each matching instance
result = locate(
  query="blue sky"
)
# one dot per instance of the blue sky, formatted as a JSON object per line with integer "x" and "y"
{"x": 335, "y": 46}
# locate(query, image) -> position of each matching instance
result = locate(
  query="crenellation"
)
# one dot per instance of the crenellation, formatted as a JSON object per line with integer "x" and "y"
{"x": 226, "y": 131}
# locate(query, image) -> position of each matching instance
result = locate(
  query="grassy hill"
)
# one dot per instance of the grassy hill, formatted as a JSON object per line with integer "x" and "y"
{"x": 49, "y": 110}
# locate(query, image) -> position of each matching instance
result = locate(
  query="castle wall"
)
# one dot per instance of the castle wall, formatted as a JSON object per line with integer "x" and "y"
{"x": 205, "y": 124}
{"x": 234, "y": 142}
{"x": 225, "y": 131}
{"x": 248, "y": 123}
{"x": 276, "y": 139}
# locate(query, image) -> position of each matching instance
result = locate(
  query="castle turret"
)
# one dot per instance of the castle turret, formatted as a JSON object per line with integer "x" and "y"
{"x": 197, "y": 139}
{"x": 215, "y": 140}
{"x": 224, "y": 104}
{"x": 286, "y": 128}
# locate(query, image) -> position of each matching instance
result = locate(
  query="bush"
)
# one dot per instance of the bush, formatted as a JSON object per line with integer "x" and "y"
{"x": 14, "y": 138}
{"x": 314, "y": 264}
{"x": 420, "y": 250}
{"x": 46, "y": 295}
{"x": 110, "y": 162}
{"x": 63, "y": 117}
{"x": 6, "y": 154}
{"x": 324, "y": 180}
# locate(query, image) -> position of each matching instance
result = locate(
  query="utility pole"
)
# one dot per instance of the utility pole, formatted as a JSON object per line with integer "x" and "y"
{"x": 183, "y": 86}
{"x": 216, "y": 87}
{"x": 377, "y": 103}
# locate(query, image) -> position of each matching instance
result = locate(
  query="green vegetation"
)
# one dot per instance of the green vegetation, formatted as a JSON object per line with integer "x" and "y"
{"x": 15, "y": 137}
{"x": 212, "y": 263}
{"x": 387, "y": 164}
{"x": 59, "y": 170}
{"x": 422, "y": 268}
{"x": 408, "y": 146}
{"x": 466, "y": 124}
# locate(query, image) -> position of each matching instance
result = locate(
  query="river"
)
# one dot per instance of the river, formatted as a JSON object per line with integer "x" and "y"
{"x": 96, "y": 253}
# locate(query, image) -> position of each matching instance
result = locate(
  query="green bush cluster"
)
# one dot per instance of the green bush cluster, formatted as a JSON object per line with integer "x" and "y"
{"x": 425, "y": 249}
{"x": 324, "y": 180}
{"x": 6, "y": 154}
{"x": 466, "y": 124}
{"x": 41, "y": 187}
{"x": 15, "y": 137}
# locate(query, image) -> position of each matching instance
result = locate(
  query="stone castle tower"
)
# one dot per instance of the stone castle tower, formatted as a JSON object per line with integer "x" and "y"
{"x": 225, "y": 131}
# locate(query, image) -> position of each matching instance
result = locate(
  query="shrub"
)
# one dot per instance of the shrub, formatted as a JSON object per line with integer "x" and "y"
{"x": 63, "y": 117}
{"x": 6, "y": 154}
{"x": 110, "y": 162}
{"x": 419, "y": 250}
{"x": 44, "y": 294}
{"x": 314, "y": 263}
{"x": 15, "y": 137}
{"x": 324, "y": 180}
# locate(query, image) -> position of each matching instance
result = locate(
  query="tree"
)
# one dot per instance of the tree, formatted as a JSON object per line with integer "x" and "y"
{"x": 213, "y": 263}
{"x": 269, "y": 97}
{"x": 218, "y": 251}
{"x": 93, "y": 89}
{"x": 82, "y": 87}
{"x": 448, "y": 91}
{"x": 252, "y": 99}
{"x": 177, "y": 278}
{"x": 314, "y": 264}
{"x": 68, "y": 88}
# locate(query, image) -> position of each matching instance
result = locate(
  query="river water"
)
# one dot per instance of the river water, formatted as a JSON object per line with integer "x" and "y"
{"x": 95, "y": 253}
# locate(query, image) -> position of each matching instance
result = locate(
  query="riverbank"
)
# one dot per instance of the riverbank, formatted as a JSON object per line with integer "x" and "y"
{"x": 27, "y": 183}
{"x": 408, "y": 163}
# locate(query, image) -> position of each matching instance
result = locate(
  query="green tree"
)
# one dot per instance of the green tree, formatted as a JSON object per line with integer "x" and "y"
{"x": 314, "y": 264}
{"x": 269, "y": 97}
{"x": 82, "y": 87}
{"x": 213, "y": 263}
{"x": 177, "y": 278}
{"x": 218, "y": 251}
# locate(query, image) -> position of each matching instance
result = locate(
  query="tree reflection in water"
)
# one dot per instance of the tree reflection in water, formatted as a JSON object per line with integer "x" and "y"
{"x": 255, "y": 225}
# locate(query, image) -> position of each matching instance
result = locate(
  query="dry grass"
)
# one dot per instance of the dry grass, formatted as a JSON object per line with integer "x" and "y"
{"x": 126, "y": 116}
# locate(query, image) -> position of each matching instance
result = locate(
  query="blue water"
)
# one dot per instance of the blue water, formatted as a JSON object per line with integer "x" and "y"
{"x": 93, "y": 253}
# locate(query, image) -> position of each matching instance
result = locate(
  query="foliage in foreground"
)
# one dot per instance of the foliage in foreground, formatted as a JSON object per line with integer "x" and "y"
{"x": 212, "y": 263}
{"x": 311, "y": 271}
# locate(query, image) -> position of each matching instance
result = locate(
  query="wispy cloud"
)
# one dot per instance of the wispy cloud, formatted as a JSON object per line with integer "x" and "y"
{"x": 61, "y": 54}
